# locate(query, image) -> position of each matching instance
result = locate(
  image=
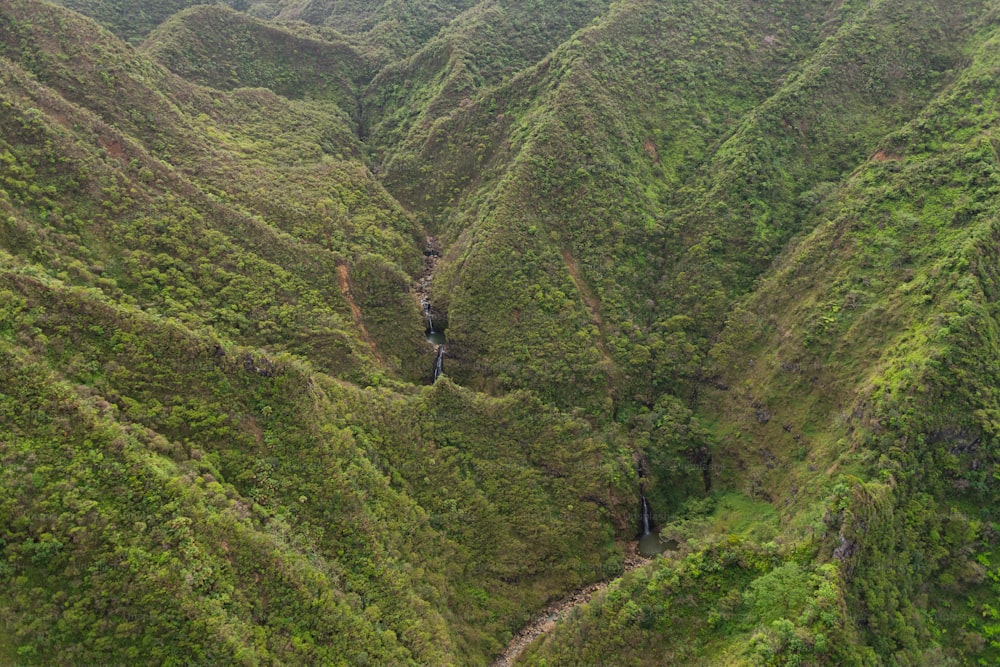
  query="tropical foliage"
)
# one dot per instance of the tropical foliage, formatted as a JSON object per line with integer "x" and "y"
{"x": 742, "y": 258}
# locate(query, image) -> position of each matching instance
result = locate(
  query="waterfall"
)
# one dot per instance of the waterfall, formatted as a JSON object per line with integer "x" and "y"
{"x": 650, "y": 543}
{"x": 430, "y": 318}
{"x": 646, "y": 527}
{"x": 439, "y": 363}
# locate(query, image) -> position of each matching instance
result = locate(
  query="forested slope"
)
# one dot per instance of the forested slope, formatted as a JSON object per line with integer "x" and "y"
{"x": 860, "y": 400}
{"x": 739, "y": 258}
{"x": 190, "y": 277}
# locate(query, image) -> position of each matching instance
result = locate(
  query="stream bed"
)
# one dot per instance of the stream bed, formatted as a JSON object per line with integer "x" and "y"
{"x": 545, "y": 620}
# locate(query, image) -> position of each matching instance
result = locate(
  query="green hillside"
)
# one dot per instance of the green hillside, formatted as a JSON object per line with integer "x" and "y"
{"x": 862, "y": 402}
{"x": 132, "y": 20}
{"x": 741, "y": 260}
{"x": 217, "y": 47}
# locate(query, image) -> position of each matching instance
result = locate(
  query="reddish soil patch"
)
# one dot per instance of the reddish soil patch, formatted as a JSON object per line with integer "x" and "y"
{"x": 650, "y": 149}
{"x": 251, "y": 424}
{"x": 343, "y": 277}
{"x": 113, "y": 147}
{"x": 883, "y": 156}
{"x": 60, "y": 118}
{"x": 592, "y": 304}
{"x": 593, "y": 307}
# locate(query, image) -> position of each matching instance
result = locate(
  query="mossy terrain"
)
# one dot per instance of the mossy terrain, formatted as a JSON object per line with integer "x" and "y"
{"x": 741, "y": 258}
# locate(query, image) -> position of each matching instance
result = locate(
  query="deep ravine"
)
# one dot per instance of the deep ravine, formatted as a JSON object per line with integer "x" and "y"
{"x": 435, "y": 333}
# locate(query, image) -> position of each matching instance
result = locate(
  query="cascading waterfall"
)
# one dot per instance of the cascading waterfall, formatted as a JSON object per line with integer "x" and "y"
{"x": 650, "y": 543}
{"x": 436, "y": 337}
{"x": 647, "y": 528}
{"x": 430, "y": 318}
{"x": 439, "y": 362}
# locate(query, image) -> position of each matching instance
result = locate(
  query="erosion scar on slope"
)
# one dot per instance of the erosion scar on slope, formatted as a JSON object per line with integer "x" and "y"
{"x": 593, "y": 308}
{"x": 343, "y": 277}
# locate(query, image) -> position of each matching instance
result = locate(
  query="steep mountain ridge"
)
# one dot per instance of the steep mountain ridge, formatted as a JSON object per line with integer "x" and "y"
{"x": 741, "y": 259}
{"x": 882, "y": 323}
{"x": 133, "y": 280}
{"x": 575, "y": 161}
{"x": 255, "y": 54}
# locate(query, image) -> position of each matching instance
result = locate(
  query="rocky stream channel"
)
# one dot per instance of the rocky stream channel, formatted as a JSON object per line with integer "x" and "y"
{"x": 434, "y": 333}
{"x": 545, "y": 620}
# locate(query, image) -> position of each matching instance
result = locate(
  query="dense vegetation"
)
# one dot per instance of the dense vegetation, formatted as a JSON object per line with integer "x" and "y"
{"x": 742, "y": 256}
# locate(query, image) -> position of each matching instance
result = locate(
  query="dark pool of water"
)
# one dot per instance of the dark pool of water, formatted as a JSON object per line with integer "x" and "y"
{"x": 651, "y": 545}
